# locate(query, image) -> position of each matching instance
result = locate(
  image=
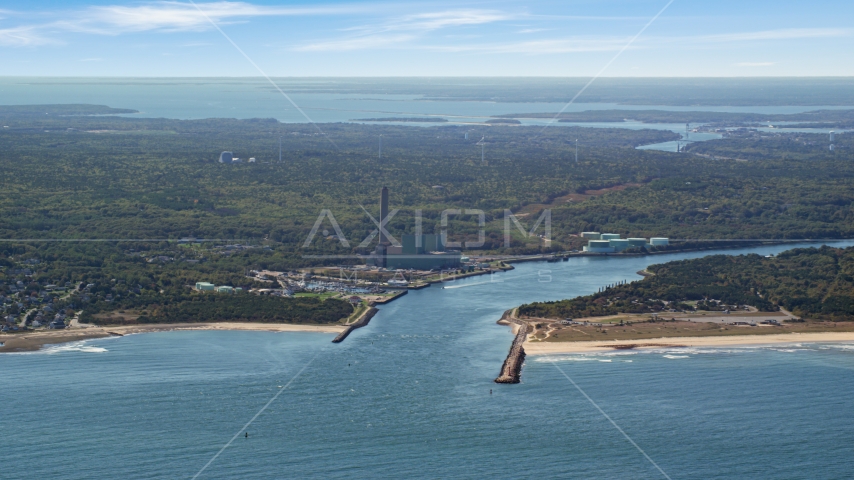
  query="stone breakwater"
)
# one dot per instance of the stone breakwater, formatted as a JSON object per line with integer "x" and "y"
{"x": 361, "y": 322}
{"x": 511, "y": 370}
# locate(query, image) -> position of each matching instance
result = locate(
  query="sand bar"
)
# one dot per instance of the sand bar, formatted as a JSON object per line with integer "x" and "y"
{"x": 546, "y": 348}
{"x": 31, "y": 341}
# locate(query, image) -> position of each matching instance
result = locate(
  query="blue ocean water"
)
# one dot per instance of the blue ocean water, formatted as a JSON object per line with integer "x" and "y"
{"x": 193, "y": 98}
{"x": 409, "y": 396}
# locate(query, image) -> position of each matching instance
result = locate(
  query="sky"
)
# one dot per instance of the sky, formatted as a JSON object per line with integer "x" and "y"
{"x": 627, "y": 38}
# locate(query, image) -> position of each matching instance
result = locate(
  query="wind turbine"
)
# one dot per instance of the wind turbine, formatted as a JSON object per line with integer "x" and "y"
{"x": 576, "y": 150}
{"x": 482, "y": 142}
{"x": 381, "y": 146}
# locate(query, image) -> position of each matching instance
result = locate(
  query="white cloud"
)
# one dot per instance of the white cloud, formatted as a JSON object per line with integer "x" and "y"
{"x": 166, "y": 16}
{"x": 413, "y": 27}
{"x": 181, "y": 16}
{"x": 781, "y": 34}
{"x": 451, "y": 18}
{"x": 537, "y": 47}
{"x": 754, "y": 64}
{"x": 357, "y": 43}
{"x": 24, "y": 36}
{"x": 405, "y": 31}
{"x": 541, "y": 47}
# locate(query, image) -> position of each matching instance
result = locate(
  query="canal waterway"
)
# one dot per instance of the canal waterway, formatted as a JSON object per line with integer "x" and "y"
{"x": 408, "y": 396}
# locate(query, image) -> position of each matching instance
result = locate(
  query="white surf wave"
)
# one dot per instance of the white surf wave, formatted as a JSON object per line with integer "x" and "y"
{"x": 72, "y": 347}
{"x": 582, "y": 357}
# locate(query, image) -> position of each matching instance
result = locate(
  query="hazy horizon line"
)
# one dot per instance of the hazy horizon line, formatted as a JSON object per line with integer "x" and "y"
{"x": 743, "y": 77}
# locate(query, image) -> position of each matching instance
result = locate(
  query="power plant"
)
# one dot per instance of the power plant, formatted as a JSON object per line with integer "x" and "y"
{"x": 418, "y": 252}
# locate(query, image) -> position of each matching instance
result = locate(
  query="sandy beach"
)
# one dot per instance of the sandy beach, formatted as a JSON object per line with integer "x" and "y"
{"x": 546, "y": 348}
{"x": 32, "y": 341}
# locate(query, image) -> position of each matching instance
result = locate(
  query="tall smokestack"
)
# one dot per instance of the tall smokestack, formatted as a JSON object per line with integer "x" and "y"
{"x": 383, "y": 215}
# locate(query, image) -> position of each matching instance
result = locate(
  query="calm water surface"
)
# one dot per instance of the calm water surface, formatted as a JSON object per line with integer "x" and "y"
{"x": 254, "y": 98}
{"x": 408, "y": 396}
{"x": 183, "y": 98}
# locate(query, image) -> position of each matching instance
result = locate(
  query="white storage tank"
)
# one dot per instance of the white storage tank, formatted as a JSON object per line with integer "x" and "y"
{"x": 599, "y": 246}
{"x": 657, "y": 241}
{"x": 619, "y": 244}
{"x": 610, "y": 236}
{"x": 591, "y": 235}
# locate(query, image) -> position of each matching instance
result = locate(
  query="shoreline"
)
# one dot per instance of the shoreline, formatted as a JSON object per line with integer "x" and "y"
{"x": 34, "y": 341}
{"x": 600, "y": 346}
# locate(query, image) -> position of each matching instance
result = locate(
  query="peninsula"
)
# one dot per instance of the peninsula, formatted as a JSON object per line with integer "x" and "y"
{"x": 801, "y": 295}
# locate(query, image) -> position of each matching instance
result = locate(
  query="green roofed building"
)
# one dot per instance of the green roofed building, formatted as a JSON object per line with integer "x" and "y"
{"x": 205, "y": 286}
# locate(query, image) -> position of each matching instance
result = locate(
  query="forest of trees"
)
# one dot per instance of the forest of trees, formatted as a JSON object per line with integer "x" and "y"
{"x": 814, "y": 283}
{"x": 137, "y": 185}
{"x": 206, "y": 307}
{"x": 751, "y": 145}
{"x": 822, "y": 118}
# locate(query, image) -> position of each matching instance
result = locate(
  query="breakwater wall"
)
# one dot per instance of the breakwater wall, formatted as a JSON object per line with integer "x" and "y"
{"x": 392, "y": 298}
{"x": 361, "y": 322}
{"x": 511, "y": 370}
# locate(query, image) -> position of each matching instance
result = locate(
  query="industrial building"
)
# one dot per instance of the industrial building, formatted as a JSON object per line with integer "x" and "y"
{"x": 612, "y": 243}
{"x": 619, "y": 244}
{"x": 210, "y": 287}
{"x": 419, "y": 252}
{"x": 599, "y": 246}
{"x": 226, "y": 157}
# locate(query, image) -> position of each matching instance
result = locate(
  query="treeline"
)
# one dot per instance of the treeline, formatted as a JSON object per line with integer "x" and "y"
{"x": 157, "y": 178}
{"x": 769, "y": 199}
{"x": 144, "y": 180}
{"x": 826, "y": 118}
{"x": 764, "y": 146}
{"x": 816, "y": 283}
{"x": 221, "y": 307}
{"x": 66, "y": 109}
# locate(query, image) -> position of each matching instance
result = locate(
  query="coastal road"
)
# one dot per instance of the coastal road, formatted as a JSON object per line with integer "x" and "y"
{"x": 75, "y": 322}
{"x": 24, "y": 317}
